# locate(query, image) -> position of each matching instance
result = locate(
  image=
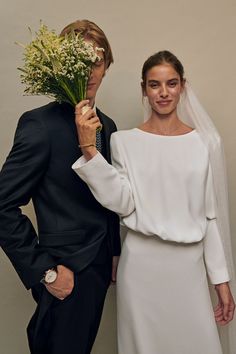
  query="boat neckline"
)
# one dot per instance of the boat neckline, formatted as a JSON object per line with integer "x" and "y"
{"x": 166, "y": 136}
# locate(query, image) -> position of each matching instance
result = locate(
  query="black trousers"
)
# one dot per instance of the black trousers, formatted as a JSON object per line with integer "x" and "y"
{"x": 70, "y": 326}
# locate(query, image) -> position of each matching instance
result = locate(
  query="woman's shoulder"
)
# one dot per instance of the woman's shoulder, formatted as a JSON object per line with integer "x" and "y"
{"x": 123, "y": 134}
{"x": 123, "y": 141}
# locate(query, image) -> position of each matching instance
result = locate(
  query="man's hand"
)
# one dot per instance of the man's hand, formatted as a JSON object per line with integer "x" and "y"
{"x": 115, "y": 261}
{"x": 224, "y": 311}
{"x": 63, "y": 285}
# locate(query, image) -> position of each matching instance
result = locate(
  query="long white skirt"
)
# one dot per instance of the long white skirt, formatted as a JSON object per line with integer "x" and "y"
{"x": 163, "y": 300}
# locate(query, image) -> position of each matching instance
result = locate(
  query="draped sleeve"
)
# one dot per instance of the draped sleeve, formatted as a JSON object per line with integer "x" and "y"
{"x": 109, "y": 184}
{"x": 213, "y": 248}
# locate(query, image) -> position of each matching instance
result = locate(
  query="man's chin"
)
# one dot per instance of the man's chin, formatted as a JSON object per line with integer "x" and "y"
{"x": 91, "y": 99}
{"x": 90, "y": 95}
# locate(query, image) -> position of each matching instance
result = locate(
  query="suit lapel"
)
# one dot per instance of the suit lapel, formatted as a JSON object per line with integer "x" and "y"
{"x": 68, "y": 115}
{"x": 105, "y": 134}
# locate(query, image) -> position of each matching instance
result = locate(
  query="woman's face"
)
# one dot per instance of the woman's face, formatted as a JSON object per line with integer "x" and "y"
{"x": 163, "y": 88}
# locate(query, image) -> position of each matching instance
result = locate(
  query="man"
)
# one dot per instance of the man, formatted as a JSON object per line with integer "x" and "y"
{"x": 72, "y": 260}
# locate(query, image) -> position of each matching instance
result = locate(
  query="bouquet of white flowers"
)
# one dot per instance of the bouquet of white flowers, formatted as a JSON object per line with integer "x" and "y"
{"x": 58, "y": 67}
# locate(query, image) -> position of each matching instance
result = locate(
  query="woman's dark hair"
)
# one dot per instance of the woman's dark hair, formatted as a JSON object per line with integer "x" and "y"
{"x": 162, "y": 57}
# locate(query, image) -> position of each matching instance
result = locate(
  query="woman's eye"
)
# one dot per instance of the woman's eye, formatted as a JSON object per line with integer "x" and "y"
{"x": 153, "y": 85}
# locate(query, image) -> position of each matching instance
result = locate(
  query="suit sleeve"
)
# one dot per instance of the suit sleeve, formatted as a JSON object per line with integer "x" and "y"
{"x": 114, "y": 229}
{"x": 114, "y": 220}
{"x": 20, "y": 176}
{"x": 114, "y": 225}
{"x": 108, "y": 183}
{"x": 213, "y": 248}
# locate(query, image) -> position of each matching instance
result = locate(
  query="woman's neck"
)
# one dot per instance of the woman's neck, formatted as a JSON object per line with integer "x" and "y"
{"x": 163, "y": 124}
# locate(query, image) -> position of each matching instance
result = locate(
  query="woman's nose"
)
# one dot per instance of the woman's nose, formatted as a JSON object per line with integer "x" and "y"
{"x": 164, "y": 91}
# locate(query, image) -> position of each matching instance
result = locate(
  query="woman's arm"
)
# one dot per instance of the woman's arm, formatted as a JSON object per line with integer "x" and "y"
{"x": 215, "y": 261}
{"x": 109, "y": 184}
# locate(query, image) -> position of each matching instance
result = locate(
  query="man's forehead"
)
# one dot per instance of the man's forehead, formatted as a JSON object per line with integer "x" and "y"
{"x": 100, "y": 53}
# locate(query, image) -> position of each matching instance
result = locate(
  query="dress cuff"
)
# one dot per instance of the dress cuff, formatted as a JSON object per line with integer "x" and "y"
{"x": 83, "y": 163}
{"x": 214, "y": 254}
{"x": 85, "y": 168}
{"x": 221, "y": 276}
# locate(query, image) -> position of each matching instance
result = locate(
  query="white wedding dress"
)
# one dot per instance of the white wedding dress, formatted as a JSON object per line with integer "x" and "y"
{"x": 162, "y": 188}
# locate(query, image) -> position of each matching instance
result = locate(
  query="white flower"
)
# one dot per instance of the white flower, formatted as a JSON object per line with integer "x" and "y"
{"x": 58, "y": 67}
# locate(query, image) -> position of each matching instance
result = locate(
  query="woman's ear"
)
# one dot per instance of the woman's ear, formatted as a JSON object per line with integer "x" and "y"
{"x": 143, "y": 89}
{"x": 183, "y": 82}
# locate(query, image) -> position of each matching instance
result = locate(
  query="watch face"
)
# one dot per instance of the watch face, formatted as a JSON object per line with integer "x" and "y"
{"x": 50, "y": 276}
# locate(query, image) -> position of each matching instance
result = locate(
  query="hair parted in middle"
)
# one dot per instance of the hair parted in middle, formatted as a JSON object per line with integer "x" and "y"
{"x": 162, "y": 57}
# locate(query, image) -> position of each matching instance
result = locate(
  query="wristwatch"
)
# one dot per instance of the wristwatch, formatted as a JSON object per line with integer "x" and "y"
{"x": 50, "y": 276}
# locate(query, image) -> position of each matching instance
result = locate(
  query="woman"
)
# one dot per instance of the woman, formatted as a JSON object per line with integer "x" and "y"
{"x": 162, "y": 185}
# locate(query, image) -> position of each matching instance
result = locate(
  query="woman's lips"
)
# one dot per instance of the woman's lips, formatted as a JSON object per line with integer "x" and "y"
{"x": 164, "y": 103}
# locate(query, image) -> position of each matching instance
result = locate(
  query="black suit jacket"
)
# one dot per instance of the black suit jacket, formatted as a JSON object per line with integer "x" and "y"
{"x": 72, "y": 225}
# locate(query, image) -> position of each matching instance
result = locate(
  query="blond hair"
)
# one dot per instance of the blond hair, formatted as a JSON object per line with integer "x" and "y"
{"x": 89, "y": 30}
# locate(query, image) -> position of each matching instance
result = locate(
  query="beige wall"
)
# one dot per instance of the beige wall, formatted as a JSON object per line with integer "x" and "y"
{"x": 202, "y": 33}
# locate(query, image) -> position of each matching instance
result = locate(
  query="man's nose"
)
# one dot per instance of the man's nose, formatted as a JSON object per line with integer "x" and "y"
{"x": 91, "y": 73}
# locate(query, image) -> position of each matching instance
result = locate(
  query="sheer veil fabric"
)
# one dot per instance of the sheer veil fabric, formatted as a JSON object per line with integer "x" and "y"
{"x": 191, "y": 112}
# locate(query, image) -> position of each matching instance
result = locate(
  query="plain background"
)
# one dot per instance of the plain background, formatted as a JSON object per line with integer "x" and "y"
{"x": 201, "y": 33}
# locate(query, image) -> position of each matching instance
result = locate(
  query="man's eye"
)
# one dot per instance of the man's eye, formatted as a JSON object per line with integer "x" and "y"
{"x": 98, "y": 63}
{"x": 172, "y": 84}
